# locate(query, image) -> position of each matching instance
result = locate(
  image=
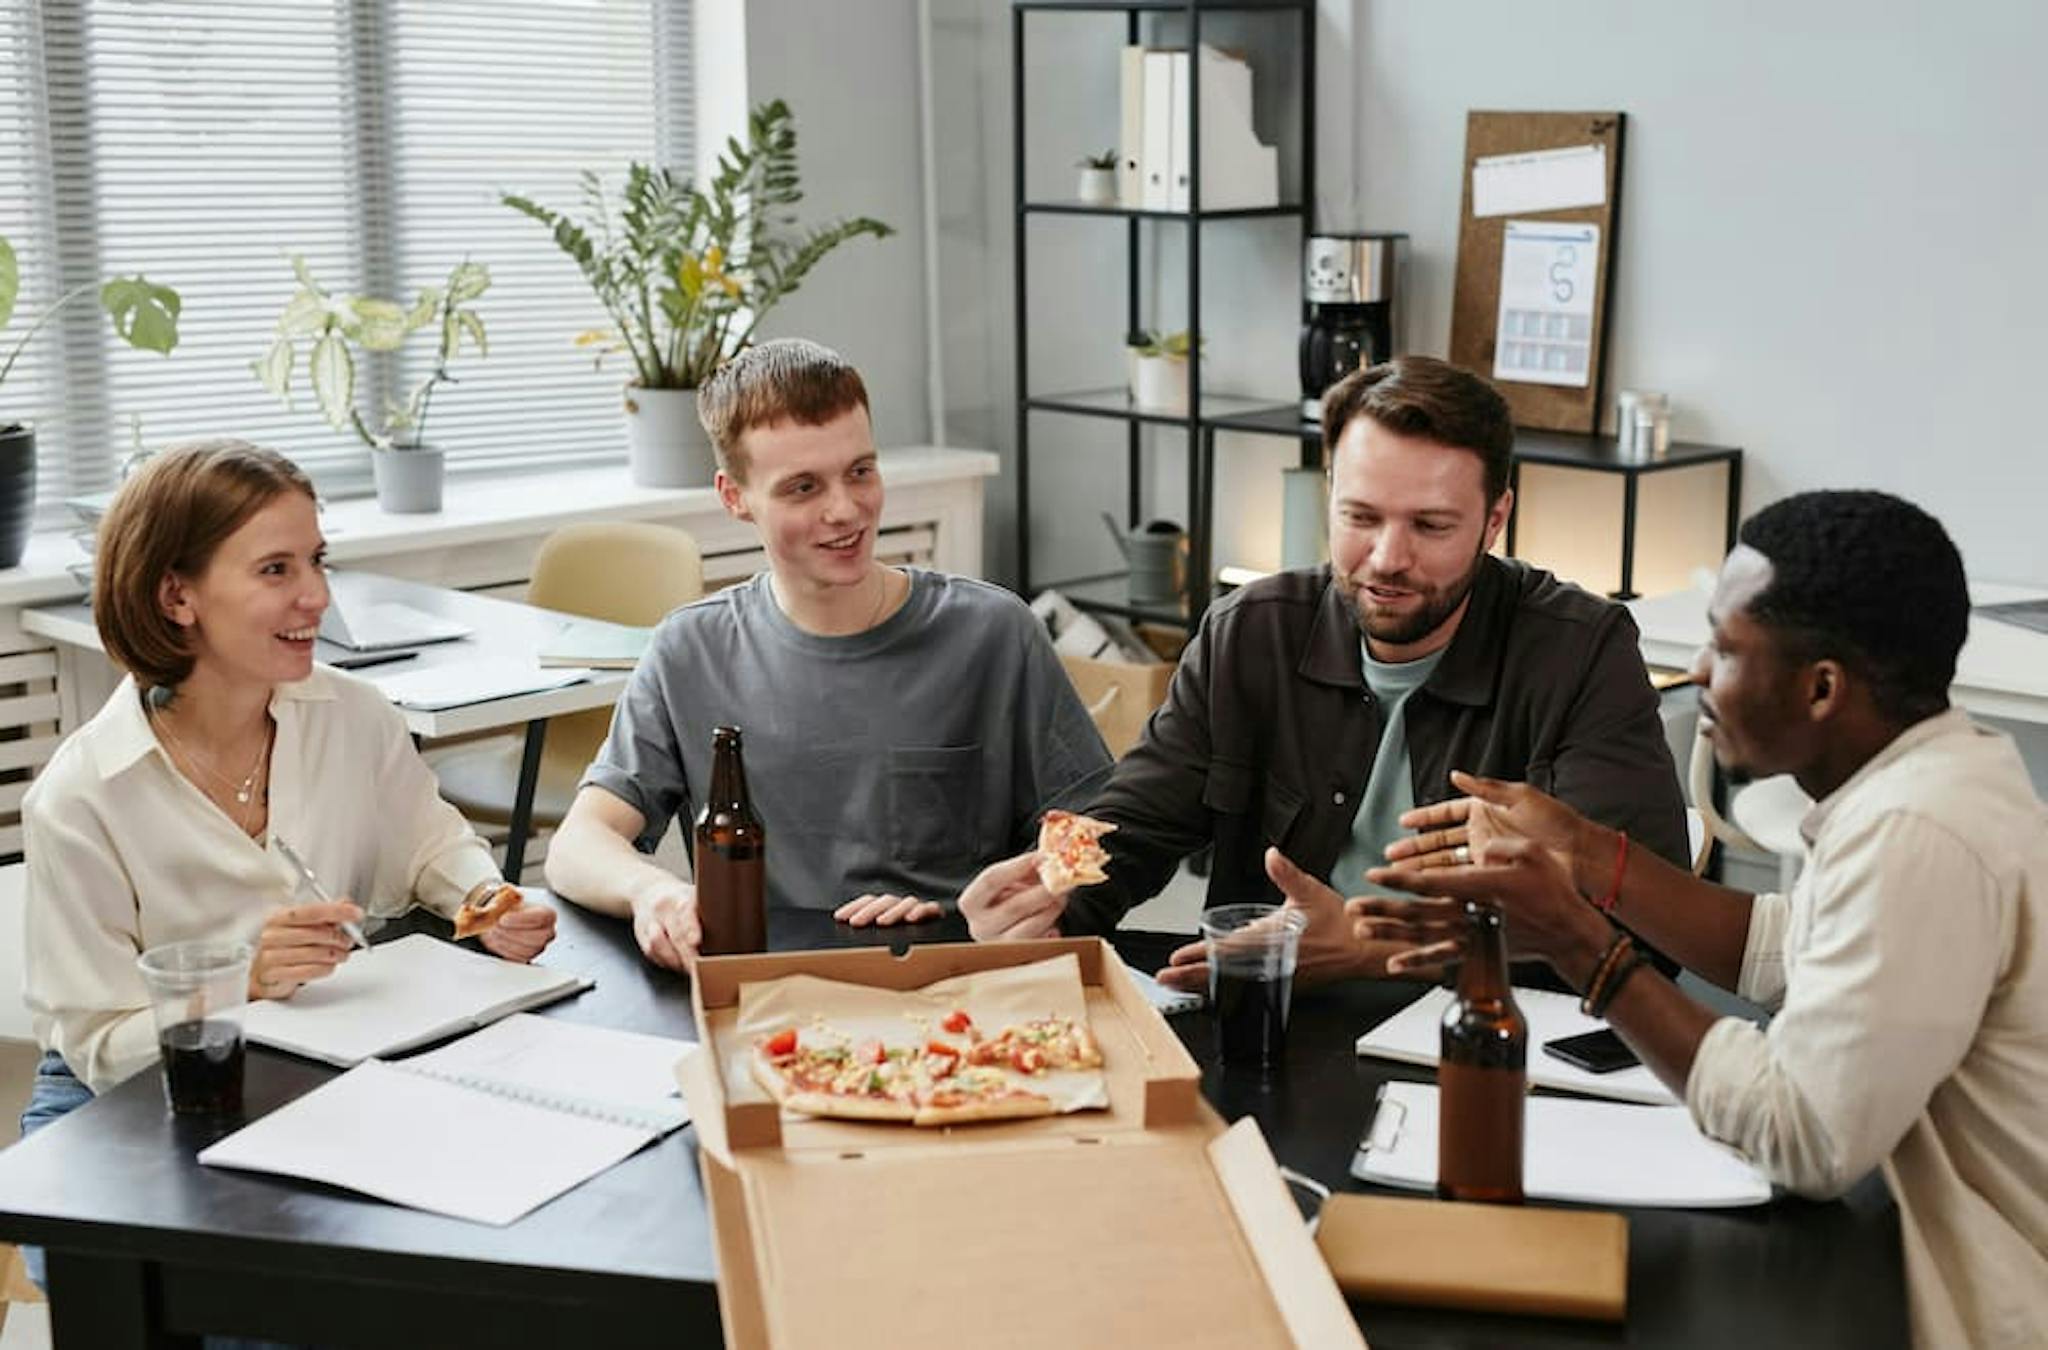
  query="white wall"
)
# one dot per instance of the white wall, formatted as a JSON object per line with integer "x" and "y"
{"x": 1831, "y": 239}
{"x": 849, "y": 73}
{"x": 1833, "y": 222}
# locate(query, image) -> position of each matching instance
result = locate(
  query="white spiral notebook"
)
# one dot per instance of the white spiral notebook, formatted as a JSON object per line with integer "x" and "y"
{"x": 402, "y": 994}
{"x": 496, "y": 1124}
{"x": 1413, "y": 1034}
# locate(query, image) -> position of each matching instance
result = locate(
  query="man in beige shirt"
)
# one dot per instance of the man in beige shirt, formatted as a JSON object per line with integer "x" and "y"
{"x": 1907, "y": 970}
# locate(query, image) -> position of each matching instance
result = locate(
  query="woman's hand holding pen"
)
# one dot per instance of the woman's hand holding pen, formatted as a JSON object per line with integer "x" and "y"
{"x": 300, "y": 944}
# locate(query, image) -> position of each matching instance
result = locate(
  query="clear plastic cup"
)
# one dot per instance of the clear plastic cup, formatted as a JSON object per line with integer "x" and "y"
{"x": 1251, "y": 951}
{"x": 198, "y": 991}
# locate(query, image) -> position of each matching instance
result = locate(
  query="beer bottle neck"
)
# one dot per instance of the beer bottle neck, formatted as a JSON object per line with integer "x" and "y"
{"x": 728, "y": 777}
{"x": 1483, "y": 977}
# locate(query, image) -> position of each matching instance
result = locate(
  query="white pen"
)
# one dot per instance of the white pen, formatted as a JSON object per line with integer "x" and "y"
{"x": 291, "y": 855}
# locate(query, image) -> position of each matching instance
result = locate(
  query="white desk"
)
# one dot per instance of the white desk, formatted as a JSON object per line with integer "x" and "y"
{"x": 502, "y": 630}
{"x": 2002, "y": 671}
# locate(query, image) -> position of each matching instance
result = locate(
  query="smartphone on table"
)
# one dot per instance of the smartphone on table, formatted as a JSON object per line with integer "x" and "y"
{"x": 1595, "y": 1051}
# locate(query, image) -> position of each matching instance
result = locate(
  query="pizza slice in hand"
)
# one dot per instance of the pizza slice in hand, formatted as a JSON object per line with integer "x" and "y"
{"x": 1070, "y": 851}
{"x": 480, "y": 914}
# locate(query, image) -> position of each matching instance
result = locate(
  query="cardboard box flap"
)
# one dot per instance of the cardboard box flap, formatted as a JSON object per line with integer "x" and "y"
{"x": 1308, "y": 1298}
{"x": 1123, "y": 1240}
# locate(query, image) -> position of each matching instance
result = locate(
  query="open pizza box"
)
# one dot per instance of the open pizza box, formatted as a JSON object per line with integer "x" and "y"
{"x": 1148, "y": 1223}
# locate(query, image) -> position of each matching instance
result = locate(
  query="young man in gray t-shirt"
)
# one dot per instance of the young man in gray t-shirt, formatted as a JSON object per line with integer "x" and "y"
{"x": 903, "y": 727}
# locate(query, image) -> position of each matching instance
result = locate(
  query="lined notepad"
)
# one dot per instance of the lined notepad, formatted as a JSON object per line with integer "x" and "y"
{"x": 401, "y": 994}
{"x": 1412, "y": 1036}
{"x": 502, "y": 1122}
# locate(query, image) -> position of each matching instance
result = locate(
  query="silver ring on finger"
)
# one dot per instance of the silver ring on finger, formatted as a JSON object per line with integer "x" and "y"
{"x": 1462, "y": 853}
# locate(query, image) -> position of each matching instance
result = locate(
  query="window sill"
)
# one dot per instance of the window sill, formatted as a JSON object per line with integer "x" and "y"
{"x": 481, "y": 510}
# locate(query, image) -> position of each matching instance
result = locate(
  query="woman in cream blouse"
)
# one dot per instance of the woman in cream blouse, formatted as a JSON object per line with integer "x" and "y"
{"x": 154, "y": 822}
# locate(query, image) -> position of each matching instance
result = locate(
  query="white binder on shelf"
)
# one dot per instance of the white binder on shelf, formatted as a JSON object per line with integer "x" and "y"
{"x": 1155, "y": 152}
{"x": 1237, "y": 172}
{"x": 1130, "y": 175}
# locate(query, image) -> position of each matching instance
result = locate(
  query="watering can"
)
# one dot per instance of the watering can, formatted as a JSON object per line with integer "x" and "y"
{"x": 1157, "y": 555}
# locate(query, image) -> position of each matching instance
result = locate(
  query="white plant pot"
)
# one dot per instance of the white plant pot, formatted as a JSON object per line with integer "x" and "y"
{"x": 1159, "y": 383}
{"x": 667, "y": 447}
{"x": 1096, "y": 187}
{"x": 409, "y": 481}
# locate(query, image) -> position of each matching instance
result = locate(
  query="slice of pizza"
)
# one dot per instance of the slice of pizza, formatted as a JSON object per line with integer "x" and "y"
{"x": 964, "y": 1095}
{"x": 869, "y": 1082}
{"x": 480, "y": 914}
{"x": 1070, "y": 851}
{"x": 1039, "y": 1046}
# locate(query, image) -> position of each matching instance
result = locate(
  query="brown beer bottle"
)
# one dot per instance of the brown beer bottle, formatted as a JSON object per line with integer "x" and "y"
{"x": 731, "y": 853}
{"x": 1483, "y": 1072}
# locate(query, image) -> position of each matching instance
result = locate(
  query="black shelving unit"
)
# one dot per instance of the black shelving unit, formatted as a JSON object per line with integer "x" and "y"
{"x": 1104, "y": 592}
{"x": 1557, "y": 449}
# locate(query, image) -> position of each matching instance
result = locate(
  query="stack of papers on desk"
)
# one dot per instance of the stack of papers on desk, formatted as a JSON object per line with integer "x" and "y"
{"x": 1594, "y": 1153}
{"x": 399, "y": 995}
{"x": 487, "y": 1129}
{"x": 1412, "y": 1037}
{"x": 601, "y": 646}
{"x": 457, "y": 684}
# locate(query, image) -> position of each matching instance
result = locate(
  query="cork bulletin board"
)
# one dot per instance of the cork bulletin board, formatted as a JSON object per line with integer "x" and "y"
{"x": 1476, "y": 315}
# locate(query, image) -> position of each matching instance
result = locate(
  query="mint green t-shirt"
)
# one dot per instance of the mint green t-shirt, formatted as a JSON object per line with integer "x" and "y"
{"x": 1390, "y": 790}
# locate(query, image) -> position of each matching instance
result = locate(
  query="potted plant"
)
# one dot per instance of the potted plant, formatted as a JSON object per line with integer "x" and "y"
{"x": 1097, "y": 183}
{"x": 1159, "y": 369}
{"x": 408, "y": 471}
{"x": 145, "y": 315}
{"x": 686, "y": 274}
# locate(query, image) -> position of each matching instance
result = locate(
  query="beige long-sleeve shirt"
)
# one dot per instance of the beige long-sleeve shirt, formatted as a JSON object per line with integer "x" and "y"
{"x": 124, "y": 853}
{"x": 1909, "y": 974}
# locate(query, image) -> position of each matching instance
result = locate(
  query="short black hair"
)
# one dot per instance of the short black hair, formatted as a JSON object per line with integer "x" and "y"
{"x": 1869, "y": 580}
{"x": 1435, "y": 400}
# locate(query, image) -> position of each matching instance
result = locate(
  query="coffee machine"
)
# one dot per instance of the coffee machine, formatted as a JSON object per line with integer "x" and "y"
{"x": 1351, "y": 287}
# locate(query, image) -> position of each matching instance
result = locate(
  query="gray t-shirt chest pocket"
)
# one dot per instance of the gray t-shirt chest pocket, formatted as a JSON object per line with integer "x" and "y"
{"x": 935, "y": 802}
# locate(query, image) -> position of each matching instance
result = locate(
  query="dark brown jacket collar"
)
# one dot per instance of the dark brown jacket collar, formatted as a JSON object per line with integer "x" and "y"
{"x": 1471, "y": 665}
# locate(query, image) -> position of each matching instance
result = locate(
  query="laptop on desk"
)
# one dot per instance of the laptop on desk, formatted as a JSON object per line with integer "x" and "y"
{"x": 382, "y": 627}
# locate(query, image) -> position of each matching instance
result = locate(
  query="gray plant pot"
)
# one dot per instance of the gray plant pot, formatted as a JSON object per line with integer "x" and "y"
{"x": 17, "y": 490}
{"x": 408, "y": 481}
{"x": 667, "y": 447}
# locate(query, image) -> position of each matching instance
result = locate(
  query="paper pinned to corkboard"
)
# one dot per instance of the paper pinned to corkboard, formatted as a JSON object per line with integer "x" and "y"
{"x": 1514, "y": 146}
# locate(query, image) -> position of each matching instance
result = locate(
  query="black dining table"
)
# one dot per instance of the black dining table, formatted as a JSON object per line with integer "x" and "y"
{"x": 149, "y": 1249}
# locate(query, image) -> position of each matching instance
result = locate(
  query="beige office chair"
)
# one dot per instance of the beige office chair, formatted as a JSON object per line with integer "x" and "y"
{"x": 1766, "y": 815}
{"x": 623, "y": 572}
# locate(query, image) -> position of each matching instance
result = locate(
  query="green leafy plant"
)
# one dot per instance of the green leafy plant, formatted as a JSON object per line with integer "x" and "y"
{"x": 1152, "y": 342}
{"x": 144, "y": 314}
{"x": 1105, "y": 160}
{"x": 687, "y": 273}
{"x": 337, "y": 324}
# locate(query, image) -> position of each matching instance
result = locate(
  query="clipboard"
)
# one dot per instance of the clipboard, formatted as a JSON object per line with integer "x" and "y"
{"x": 1475, "y": 304}
{"x": 1586, "y": 1152}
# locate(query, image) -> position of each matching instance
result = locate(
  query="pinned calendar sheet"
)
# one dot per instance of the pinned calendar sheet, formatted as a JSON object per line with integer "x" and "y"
{"x": 1548, "y": 272}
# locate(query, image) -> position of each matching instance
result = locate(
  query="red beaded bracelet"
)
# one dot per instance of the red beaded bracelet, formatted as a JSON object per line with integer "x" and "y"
{"x": 1605, "y": 904}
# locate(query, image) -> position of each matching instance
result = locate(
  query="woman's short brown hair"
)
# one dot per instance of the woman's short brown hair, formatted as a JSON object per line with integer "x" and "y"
{"x": 171, "y": 517}
{"x": 787, "y": 380}
{"x": 1435, "y": 400}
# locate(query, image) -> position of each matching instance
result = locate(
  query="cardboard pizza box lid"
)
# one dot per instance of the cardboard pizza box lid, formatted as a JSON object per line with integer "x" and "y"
{"x": 1154, "y": 1223}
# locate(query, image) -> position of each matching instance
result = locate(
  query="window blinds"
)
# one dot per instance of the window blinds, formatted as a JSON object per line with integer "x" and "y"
{"x": 202, "y": 143}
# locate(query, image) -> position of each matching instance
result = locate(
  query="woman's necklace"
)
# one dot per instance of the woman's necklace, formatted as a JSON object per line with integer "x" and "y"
{"x": 243, "y": 790}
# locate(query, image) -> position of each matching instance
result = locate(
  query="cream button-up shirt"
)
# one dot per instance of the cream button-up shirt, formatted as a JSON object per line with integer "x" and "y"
{"x": 1909, "y": 974}
{"x": 124, "y": 853}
